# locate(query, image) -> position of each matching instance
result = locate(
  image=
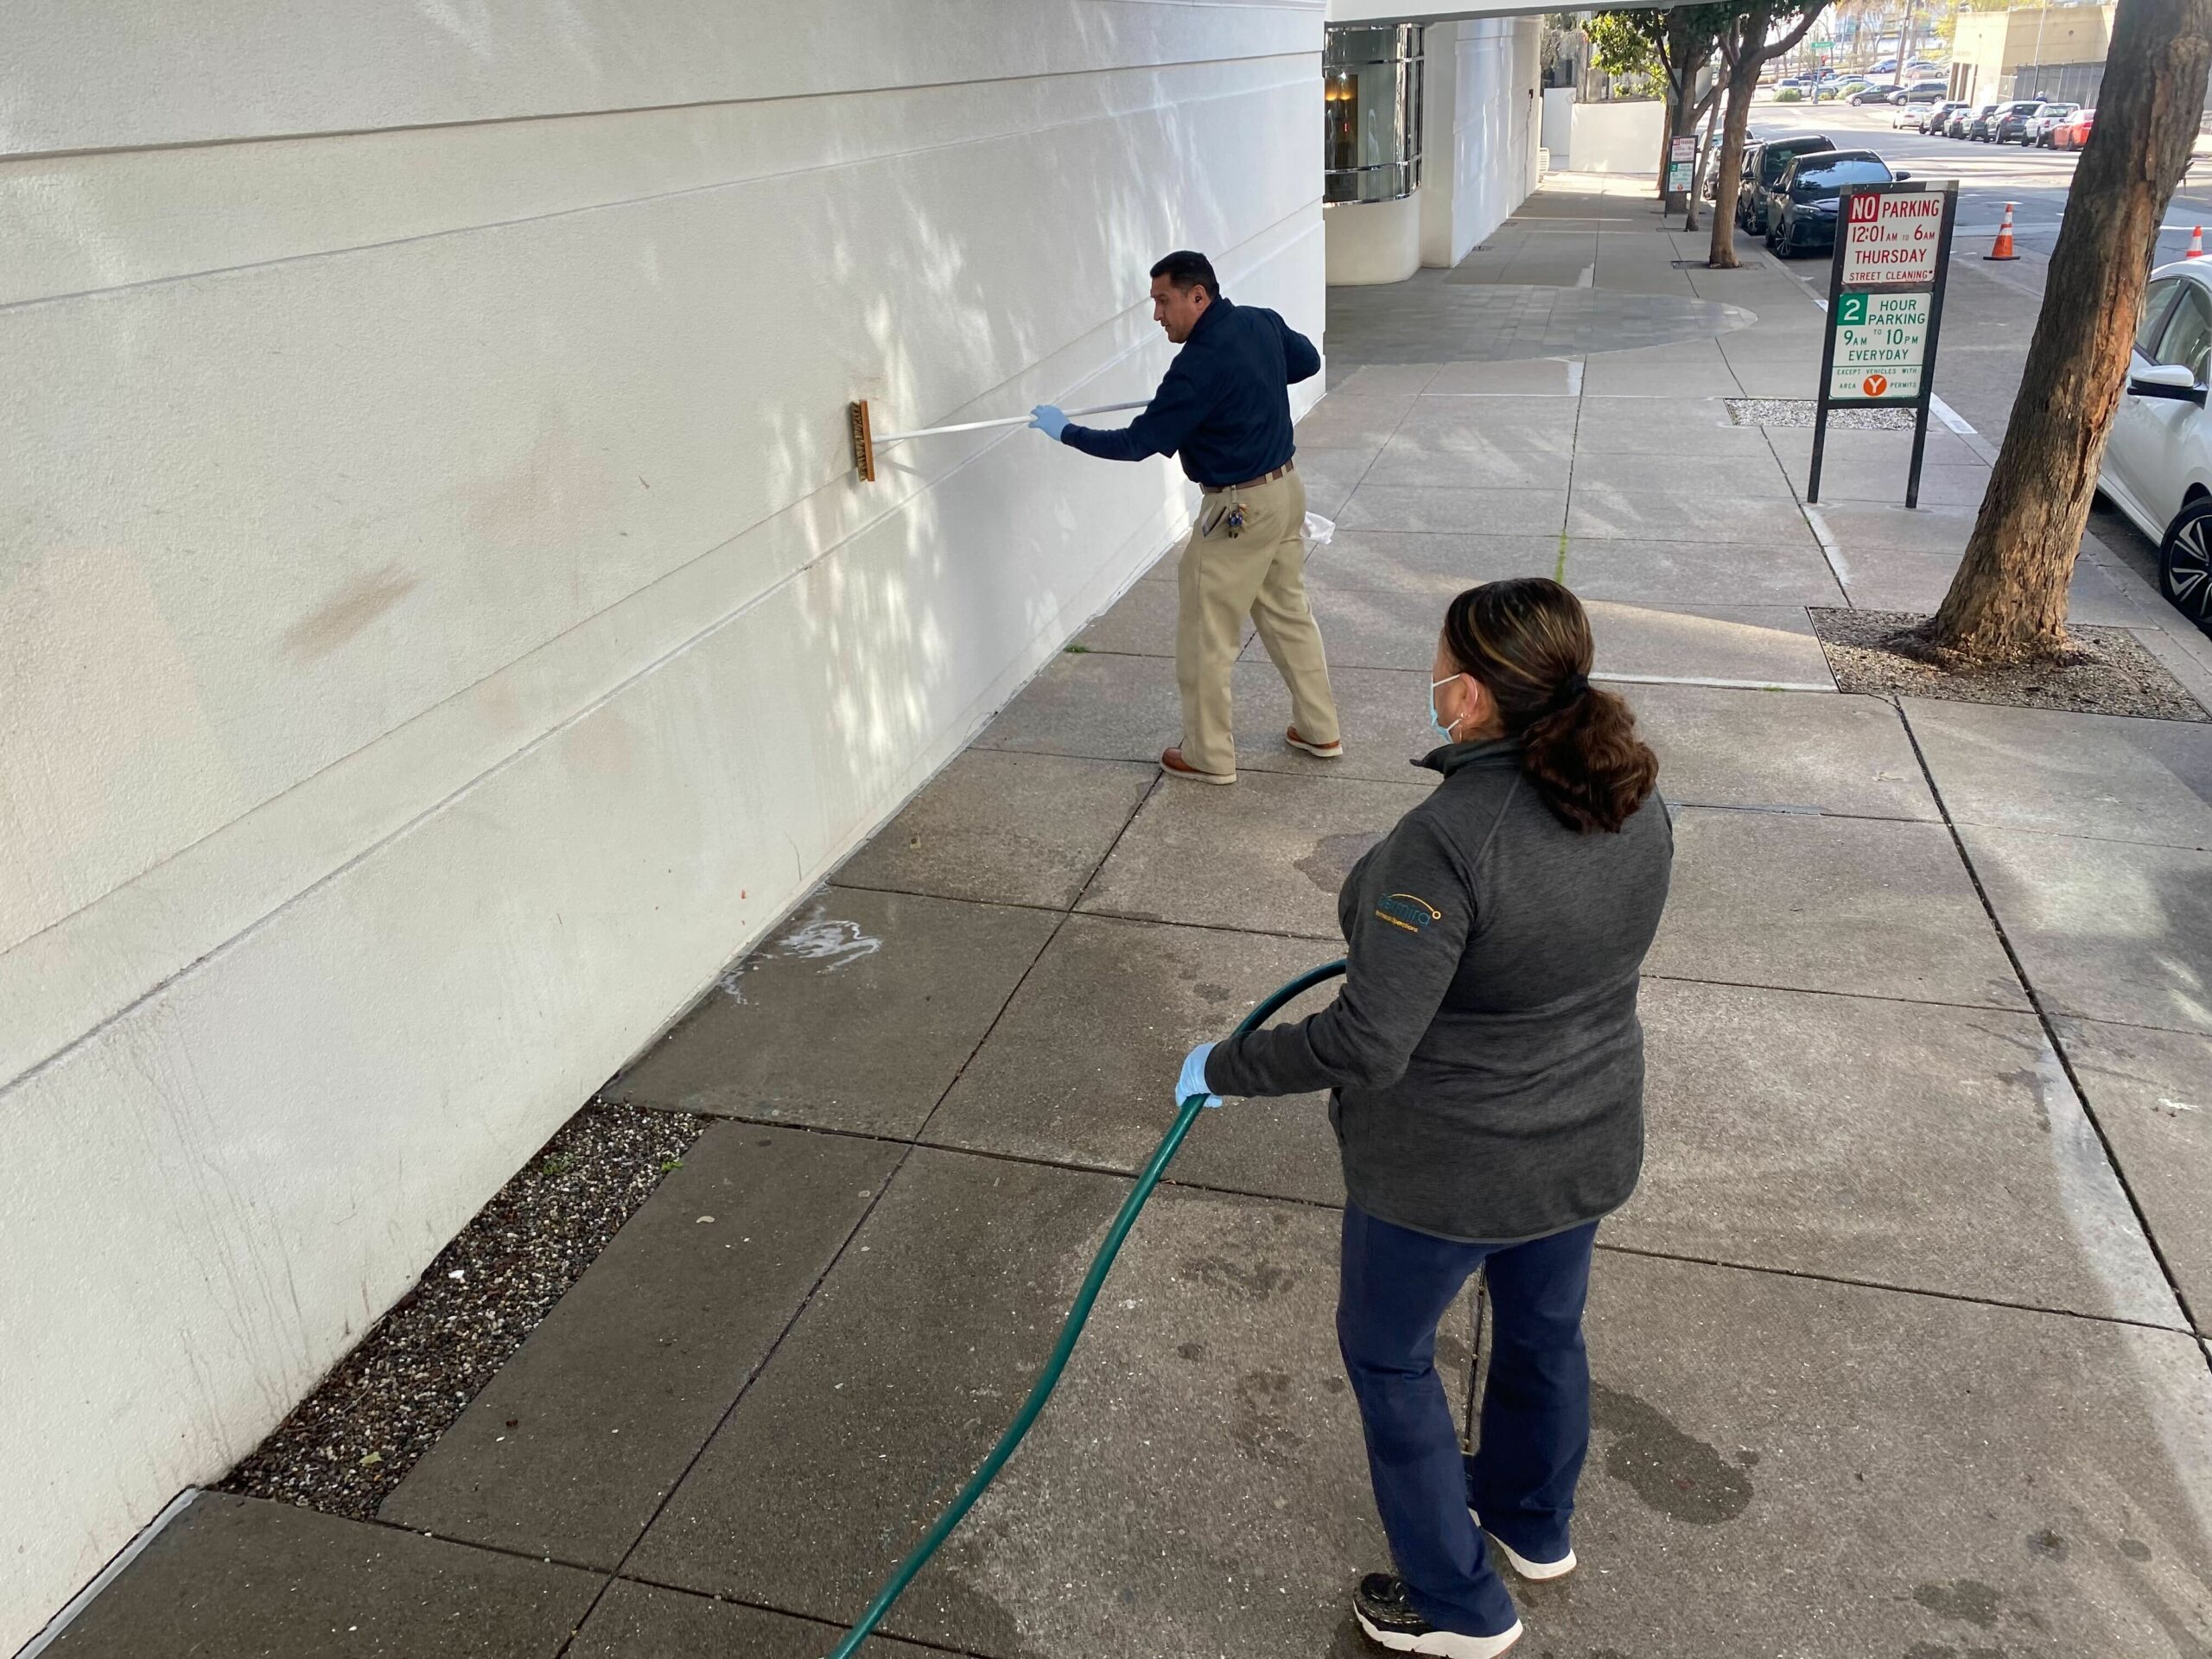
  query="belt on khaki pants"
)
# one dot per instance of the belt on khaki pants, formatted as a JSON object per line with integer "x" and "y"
{"x": 1249, "y": 483}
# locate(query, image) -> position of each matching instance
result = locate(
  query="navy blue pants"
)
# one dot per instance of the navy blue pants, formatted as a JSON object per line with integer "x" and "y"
{"x": 1397, "y": 1285}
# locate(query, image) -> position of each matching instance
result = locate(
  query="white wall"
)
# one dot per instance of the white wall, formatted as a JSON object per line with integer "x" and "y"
{"x": 1559, "y": 125}
{"x": 1372, "y": 242}
{"x": 1479, "y": 130}
{"x": 1424, "y": 11}
{"x": 438, "y": 627}
{"x": 1622, "y": 137}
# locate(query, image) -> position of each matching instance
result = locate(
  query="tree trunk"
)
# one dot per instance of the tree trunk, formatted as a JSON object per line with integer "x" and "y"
{"x": 2007, "y": 603}
{"x": 1749, "y": 52}
{"x": 1668, "y": 111}
{"x": 1704, "y": 158}
{"x": 1674, "y": 58}
{"x": 1681, "y": 121}
{"x": 1743, "y": 78}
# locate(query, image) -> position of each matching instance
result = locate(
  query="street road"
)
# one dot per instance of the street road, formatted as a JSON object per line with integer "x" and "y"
{"x": 2035, "y": 180}
{"x": 1991, "y": 309}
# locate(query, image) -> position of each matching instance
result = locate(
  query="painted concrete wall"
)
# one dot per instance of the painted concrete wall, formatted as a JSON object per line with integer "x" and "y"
{"x": 1620, "y": 137}
{"x": 1558, "y": 119}
{"x": 1479, "y": 130}
{"x": 1372, "y": 242}
{"x": 1417, "y": 11}
{"x": 438, "y": 627}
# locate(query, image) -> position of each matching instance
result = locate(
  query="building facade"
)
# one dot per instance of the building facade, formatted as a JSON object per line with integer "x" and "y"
{"x": 441, "y": 623}
{"x": 2042, "y": 51}
{"x": 1434, "y": 137}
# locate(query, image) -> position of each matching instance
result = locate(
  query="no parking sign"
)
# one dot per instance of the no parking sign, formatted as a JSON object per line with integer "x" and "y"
{"x": 1885, "y": 308}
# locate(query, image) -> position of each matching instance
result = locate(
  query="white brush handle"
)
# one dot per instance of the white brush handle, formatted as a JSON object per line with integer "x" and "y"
{"x": 984, "y": 426}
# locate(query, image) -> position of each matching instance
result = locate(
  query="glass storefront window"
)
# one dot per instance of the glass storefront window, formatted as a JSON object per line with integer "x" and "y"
{"x": 1371, "y": 90}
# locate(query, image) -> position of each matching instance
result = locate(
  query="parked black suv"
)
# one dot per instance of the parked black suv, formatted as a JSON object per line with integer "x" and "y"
{"x": 1967, "y": 117}
{"x": 2014, "y": 121}
{"x": 1774, "y": 156}
{"x": 1983, "y": 128}
{"x": 1940, "y": 118}
{"x": 1802, "y": 216}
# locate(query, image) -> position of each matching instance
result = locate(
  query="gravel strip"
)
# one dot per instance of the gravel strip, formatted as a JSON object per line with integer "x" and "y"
{"x": 1798, "y": 411}
{"x": 2116, "y": 675}
{"x": 384, "y": 1406}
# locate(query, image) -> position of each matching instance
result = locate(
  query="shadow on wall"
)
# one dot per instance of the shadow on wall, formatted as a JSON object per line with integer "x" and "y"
{"x": 968, "y": 543}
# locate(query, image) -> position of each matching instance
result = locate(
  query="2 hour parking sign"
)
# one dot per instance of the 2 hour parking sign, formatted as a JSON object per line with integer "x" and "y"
{"x": 1880, "y": 343}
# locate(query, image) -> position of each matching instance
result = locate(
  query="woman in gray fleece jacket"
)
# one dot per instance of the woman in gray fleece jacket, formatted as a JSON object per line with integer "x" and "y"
{"x": 1486, "y": 1070}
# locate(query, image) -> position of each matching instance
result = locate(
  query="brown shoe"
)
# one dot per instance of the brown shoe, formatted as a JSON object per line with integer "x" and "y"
{"x": 1172, "y": 763}
{"x": 1327, "y": 751}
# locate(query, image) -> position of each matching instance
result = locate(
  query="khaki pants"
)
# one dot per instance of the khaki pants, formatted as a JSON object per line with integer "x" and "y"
{"x": 1260, "y": 572}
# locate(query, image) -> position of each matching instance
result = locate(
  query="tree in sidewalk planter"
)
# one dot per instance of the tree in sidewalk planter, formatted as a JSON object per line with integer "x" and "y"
{"x": 1672, "y": 46}
{"x": 1748, "y": 44}
{"x": 2007, "y": 602}
{"x": 1686, "y": 45}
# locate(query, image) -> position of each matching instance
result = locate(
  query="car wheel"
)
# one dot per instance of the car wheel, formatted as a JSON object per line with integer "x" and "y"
{"x": 2185, "y": 563}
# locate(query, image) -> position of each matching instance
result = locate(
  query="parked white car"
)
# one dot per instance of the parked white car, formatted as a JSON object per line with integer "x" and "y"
{"x": 2158, "y": 464}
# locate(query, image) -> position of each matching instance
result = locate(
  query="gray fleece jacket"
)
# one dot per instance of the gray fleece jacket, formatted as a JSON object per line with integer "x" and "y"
{"x": 1484, "y": 1054}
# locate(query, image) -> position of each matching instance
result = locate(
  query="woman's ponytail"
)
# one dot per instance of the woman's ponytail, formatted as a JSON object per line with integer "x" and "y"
{"x": 1528, "y": 640}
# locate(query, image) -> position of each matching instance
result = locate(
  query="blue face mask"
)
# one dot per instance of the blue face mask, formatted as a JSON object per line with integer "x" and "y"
{"x": 1437, "y": 729}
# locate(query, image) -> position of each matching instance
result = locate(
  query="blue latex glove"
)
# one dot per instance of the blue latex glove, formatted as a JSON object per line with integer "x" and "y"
{"x": 1047, "y": 419}
{"x": 1193, "y": 1079}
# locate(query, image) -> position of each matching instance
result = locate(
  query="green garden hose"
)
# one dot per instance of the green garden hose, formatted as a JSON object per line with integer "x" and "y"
{"x": 1041, "y": 1391}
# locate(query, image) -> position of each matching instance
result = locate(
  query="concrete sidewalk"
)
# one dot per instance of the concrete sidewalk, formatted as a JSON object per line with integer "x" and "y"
{"x": 1898, "y": 1350}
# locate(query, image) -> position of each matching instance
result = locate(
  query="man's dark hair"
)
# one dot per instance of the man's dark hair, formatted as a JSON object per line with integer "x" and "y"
{"x": 1187, "y": 270}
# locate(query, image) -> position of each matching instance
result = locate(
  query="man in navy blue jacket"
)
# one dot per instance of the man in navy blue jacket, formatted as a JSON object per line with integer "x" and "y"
{"x": 1225, "y": 410}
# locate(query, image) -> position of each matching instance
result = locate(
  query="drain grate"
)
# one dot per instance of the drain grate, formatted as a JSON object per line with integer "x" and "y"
{"x": 1798, "y": 411}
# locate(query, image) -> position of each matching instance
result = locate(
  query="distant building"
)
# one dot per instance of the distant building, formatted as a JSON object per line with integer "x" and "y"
{"x": 2055, "y": 52}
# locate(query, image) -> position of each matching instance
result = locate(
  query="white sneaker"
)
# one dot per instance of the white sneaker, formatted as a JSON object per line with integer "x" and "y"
{"x": 1535, "y": 1571}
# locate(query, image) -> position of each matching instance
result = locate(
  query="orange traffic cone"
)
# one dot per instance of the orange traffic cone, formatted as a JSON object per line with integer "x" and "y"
{"x": 2002, "y": 250}
{"x": 2196, "y": 243}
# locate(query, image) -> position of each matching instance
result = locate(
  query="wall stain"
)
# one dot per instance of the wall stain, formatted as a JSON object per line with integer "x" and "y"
{"x": 1332, "y": 859}
{"x": 1969, "y": 1600}
{"x": 1672, "y": 1472}
{"x": 358, "y": 603}
{"x": 2135, "y": 1549}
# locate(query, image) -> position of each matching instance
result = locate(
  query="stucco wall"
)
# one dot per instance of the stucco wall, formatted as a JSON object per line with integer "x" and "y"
{"x": 438, "y": 627}
{"x": 1479, "y": 136}
{"x": 1617, "y": 137}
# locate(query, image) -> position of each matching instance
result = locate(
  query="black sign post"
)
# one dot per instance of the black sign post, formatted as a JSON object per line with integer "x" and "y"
{"x": 1885, "y": 310}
